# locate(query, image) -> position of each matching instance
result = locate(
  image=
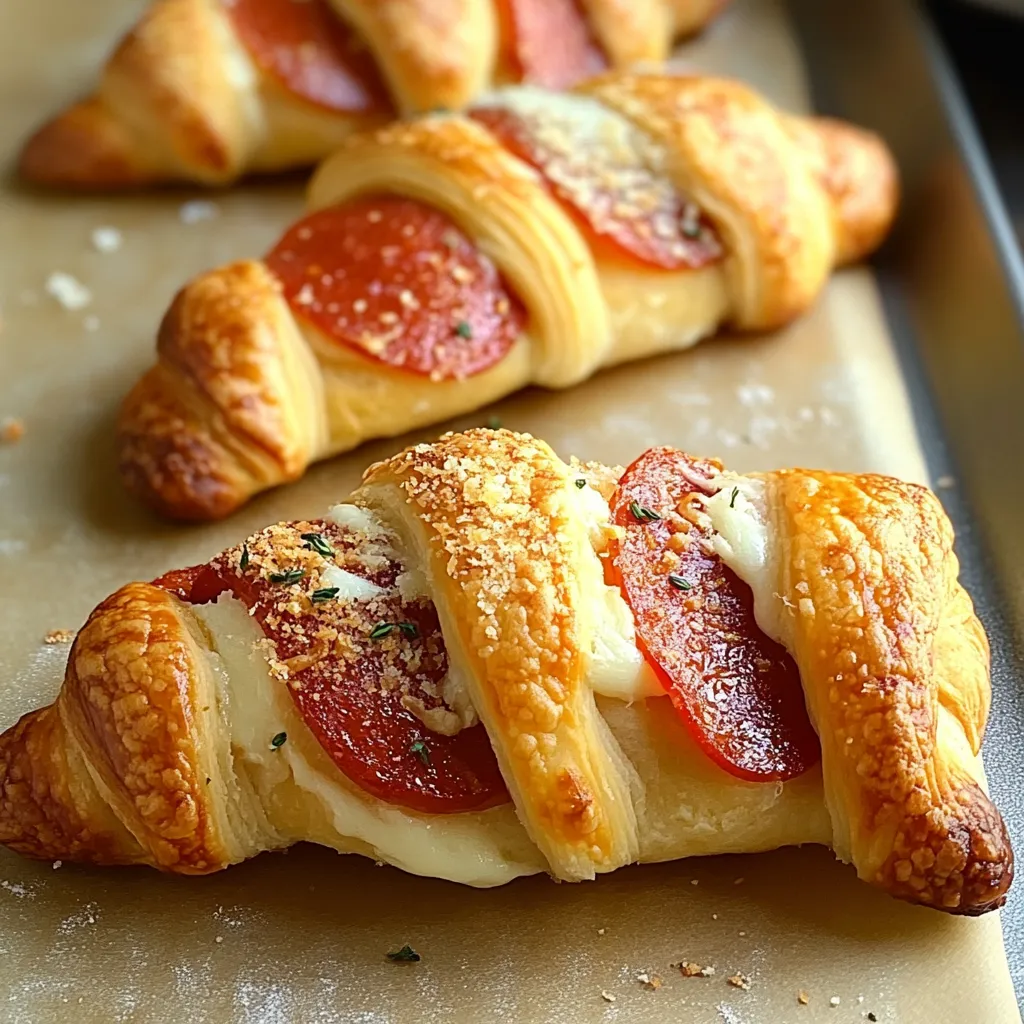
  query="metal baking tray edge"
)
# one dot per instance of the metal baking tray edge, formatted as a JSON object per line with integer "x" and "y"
{"x": 952, "y": 281}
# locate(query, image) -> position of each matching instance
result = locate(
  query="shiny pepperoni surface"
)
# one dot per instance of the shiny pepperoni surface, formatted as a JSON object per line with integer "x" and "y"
{"x": 595, "y": 165}
{"x": 308, "y": 49}
{"x": 737, "y": 690}
{"x": 397, "y": 281}
{"x": 548, "y": 42}
{"x": 355, "y": 667}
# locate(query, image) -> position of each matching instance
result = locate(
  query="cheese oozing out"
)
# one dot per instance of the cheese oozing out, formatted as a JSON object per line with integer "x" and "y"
{"x": 617, "y": 668}
{"x": 476, "y": 848}
{"x": 350, "y": 587}
{"x": 411, "y": 584}
{"x": 740, "y": 520}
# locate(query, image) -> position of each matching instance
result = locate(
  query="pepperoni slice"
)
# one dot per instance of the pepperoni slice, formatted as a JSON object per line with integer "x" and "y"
{"x": 737, "y": 690}
{"x": 353, "y": 689}
{"x": 548, "y": 42}
{"x": 599, "y": 167}
{"x": 397, "y": 281}
{"x": 306, "y": 47}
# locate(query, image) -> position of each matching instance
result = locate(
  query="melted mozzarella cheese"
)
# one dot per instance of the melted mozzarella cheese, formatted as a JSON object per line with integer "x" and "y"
{"x": 357, "y": 519}
{"x": 412, "y": 585}
{"x": 481, "y": 849}
{"x": 739, "y": 518}
{"x": 355, "y": 588}
{"x": 617, "y": 668}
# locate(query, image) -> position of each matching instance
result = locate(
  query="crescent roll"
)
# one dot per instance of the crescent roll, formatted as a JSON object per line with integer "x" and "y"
{"x": 452, "y": 260}
{"x": 209, "y": 90}
{"x": 489, "y": 662}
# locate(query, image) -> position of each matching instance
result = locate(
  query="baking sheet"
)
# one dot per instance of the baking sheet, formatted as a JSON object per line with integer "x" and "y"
{"x": 302, "y": 936}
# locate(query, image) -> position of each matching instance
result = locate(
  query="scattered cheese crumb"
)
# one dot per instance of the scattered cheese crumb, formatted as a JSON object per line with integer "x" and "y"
{"x": 219, "y": 938}
{"x": 694, "y": 881}
{"x": 607, "y": 996}
{"x": 601, "y": 931}
{"x": 742, "y": 934}
{"x": 106, "y": 239}
{"x": 305, "y": 295}
{"x": 714, "y": 917}
{"x": 68, "y": 291}
{"x": 834, "y": 1001}
{"x": 689, "y": 969}
{"x": 739, "y": 981}
{"x": 197, "y": 210}
{"x": 802, "y": 997}
{"x": 57, "y": 864}
{"x": 59, "y": 636}
{"x": 12, "y": 430}
{"x": 652, "y": 981}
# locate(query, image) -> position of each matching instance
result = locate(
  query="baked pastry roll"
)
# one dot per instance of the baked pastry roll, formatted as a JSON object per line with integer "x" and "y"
{"x": 489, "y": 662}
{"x": 209, "y": 90}
{"x": 452, "y": 260}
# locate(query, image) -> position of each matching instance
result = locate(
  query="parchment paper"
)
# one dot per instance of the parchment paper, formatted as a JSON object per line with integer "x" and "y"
{"x": 302, "y": 936}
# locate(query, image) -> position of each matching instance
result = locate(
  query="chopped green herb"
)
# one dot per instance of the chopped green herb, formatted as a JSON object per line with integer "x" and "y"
{"x": 642, "y": 514}
{"x": 289, "y": 576}
{"x": 493, "y": 423}
{"x": 463, "y": 329}
{"x": 580, "y": 483}
{"x": 383, "y": 629}
{"x": 405, "y": 955}
{"x": 732, "y": 500}
{"x": 316, "y": 542}
{"x": 679, "y": 582}
{"x": 279, "y": 740}
{"x": 323, "y": 594}
{"x": 243, "y": 562}
{"x": 421, "y": 750}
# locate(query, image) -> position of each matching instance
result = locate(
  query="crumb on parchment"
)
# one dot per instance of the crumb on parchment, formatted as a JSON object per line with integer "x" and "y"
{"x": 12, "y": 430}
{"x": 738, "y": 980}
{"x": 689, "y": 969}
{"x": 651, "y": 981}
{"x": 106, "y": 239}
{"x": 68, "y": 290}
{"x": 59, "y": 636}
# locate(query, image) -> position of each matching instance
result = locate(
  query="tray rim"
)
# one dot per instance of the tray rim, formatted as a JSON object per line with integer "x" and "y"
{"x": 835, "y": 54}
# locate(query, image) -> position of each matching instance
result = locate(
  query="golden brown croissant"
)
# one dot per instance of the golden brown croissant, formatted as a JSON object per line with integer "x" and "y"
{"x": 209, "y": 90}
{"x": 453, "y": 260}
{"x": 490, "y": 663}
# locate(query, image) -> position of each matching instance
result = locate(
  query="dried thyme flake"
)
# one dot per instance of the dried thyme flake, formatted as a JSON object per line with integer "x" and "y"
{"x": 405, "y": 955}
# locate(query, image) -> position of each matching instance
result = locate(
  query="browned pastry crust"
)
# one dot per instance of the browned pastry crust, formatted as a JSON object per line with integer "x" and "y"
{"x": 171, "y": 104}
{"x": 111, "y": 773}
{"x": 861, "y": 588}
{"x": 219, "y": 419}
{"x": 223, "y": 408}
{"x": 900, "y": 661}
{"x": 165, "y": 109}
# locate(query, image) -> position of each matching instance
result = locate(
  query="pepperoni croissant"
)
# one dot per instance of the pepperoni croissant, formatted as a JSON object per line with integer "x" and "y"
{"x": 209, "y": 90}
{"x": 453, "y": 260}
{"x": 490, "y": 663}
